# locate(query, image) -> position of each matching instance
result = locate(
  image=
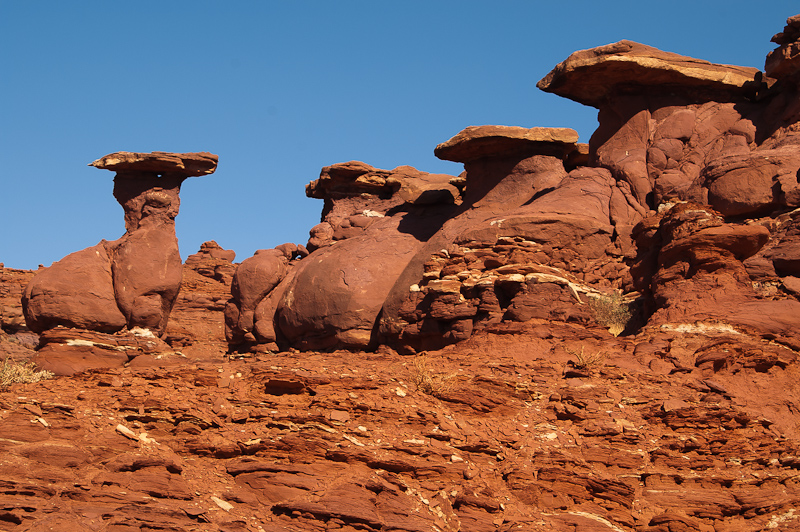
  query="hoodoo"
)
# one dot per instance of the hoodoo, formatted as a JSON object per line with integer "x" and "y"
{"x": 128, "y": 283}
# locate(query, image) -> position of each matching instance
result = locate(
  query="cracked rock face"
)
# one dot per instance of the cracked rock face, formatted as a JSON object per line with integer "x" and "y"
{"x": 133, "y": 281}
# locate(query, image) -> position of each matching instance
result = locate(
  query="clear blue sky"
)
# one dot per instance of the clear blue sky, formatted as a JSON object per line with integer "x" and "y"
{"x": 280, "y": 89}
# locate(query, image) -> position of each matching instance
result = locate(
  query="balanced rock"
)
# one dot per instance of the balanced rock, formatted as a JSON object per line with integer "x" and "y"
{"x": 133, "y": 281}
{"x": 159, "y": 162}
{"x": 682, "y": 208}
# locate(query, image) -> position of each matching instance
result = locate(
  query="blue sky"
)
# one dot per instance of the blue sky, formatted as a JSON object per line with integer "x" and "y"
{"x": 280, "y": 89}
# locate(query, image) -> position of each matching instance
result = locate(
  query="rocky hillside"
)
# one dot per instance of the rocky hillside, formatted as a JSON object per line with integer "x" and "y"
{"x": 565, "y": 337}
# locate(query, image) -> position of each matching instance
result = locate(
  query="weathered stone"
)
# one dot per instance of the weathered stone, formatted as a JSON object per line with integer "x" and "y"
{"x": 77, "y": 291}
{"x": 159, "y": 162}
{"x": 477, "y": 142}
{"x": 591, "y": 76}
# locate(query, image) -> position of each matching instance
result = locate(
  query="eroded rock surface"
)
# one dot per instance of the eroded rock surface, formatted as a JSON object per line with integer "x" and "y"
{"x": 541, "y": 227}
{"x": 563, "y": 337}
{"x": 374, "y": 221}
{"x": 557, "y": 428}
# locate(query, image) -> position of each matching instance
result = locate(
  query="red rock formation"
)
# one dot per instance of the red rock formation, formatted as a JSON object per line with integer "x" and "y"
{"x": 374, "y": 221}
{"x": 536, "y": 219}
{"x": 214, "y": 262}
{"x": 623, "y": 322}
{"x": 131, "y": 282}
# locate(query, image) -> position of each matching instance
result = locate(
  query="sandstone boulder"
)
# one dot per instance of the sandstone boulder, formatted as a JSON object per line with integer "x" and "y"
{"x": 254, "y": 279}
{"x": 754, "y": 183}
{"x": 77, "y": 291}
{"x": 159, "y": 162}
{"x": 337, "y": 292}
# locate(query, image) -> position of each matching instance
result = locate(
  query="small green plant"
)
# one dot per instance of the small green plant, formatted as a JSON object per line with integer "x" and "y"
{"x": 428, "y": 381}
{"x": 611, "y": 311}
{"x": 13, "y": 372}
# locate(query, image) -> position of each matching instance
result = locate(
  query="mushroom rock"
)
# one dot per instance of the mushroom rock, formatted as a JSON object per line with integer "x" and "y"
{"x": 383, "y": 189}
{"x": 356, "y": 195}
{"x": 142, "y": 269}
{"x": 146, "y": 262}
{"x": 661, "y": 114}
{"x": 656, "y": 202}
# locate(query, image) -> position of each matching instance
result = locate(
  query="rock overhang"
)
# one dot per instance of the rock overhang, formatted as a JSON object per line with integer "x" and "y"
{"x": 478, "y": 142}
{"x": 192, "y": 164}
{"x": 591, "y": 76}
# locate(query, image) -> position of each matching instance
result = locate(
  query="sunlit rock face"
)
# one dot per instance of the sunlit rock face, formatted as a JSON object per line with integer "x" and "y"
{"x": 683, "y": 202}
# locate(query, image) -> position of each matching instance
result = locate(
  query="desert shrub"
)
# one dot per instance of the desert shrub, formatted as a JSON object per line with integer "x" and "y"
{"x": 585, "y": 360}
{"x": 13, "y": 372}
{"x": 428, "y": 381}
{"x": 611, "y": 311}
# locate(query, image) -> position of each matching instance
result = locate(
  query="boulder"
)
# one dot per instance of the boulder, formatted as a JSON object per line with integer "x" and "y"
{"x": 754, "y": 183}
{"x": 77, "y": 291}
{"x": 338, "y": 291}
{"x": 254, "y": 279}
{"x": 405, "y": 183}
{"x": 159, "y": 162}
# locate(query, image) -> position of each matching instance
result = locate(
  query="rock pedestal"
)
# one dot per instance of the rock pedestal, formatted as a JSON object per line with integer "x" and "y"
{"x": 130, "y": 282}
